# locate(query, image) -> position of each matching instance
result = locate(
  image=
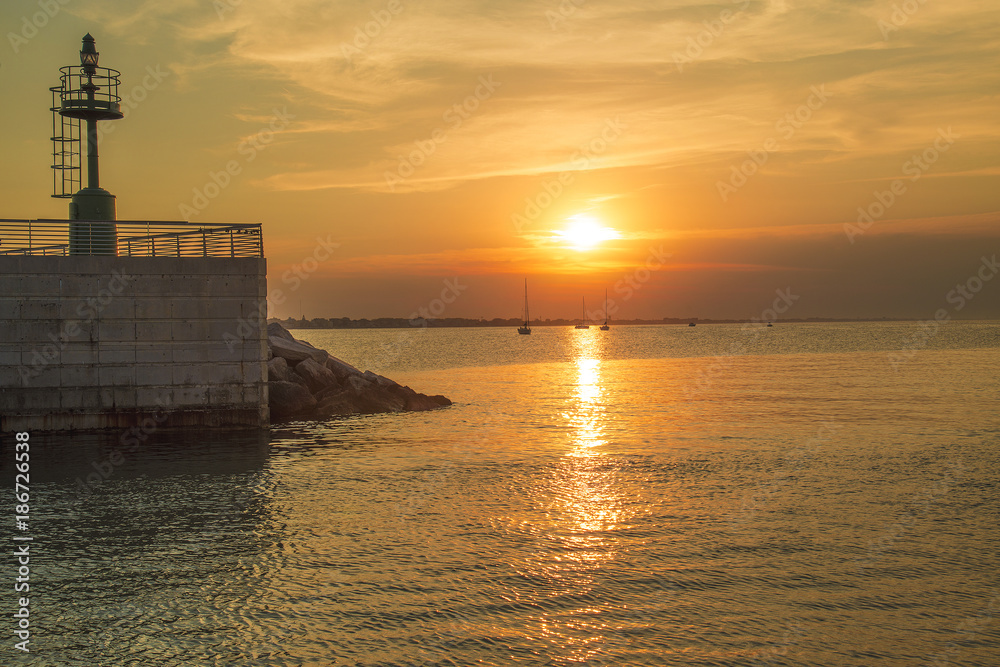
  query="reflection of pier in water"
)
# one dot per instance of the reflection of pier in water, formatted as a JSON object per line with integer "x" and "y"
{"x": 152, "y": 542}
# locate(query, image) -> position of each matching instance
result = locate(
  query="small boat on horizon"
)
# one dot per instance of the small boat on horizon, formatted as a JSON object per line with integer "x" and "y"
{"x": 525, "y": 329}
{"x": 691, "y": 324}
{"x": 583, "y": 323}
{"x": 605, "y": 327}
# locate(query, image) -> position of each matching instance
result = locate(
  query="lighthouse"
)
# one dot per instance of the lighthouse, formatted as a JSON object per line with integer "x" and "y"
{"x": 86, "y": 93}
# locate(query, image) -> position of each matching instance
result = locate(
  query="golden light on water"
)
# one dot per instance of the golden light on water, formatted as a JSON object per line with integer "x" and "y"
{"x": 591, "y": 502}
{"x": 587, "y": 418}
{"x": 585, "y": 506}
{"x": 584, "y": 232}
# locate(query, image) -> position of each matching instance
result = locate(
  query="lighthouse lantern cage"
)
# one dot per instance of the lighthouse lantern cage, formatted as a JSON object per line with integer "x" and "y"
{"x": 79, "y": 96}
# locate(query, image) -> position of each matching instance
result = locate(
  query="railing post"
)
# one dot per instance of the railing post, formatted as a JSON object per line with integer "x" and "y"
{"x": 178, "y": 238}
{"x": 232, "y": 244}
{"x": 204, "y": 243}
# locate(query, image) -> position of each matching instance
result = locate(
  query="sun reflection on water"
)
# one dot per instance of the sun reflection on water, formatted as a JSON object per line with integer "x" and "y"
{"x": 586, "y": 506}
{"x": 587, "y": 416}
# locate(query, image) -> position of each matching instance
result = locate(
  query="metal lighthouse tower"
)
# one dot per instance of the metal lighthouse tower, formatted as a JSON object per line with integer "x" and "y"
{"x": 88, "y": 93}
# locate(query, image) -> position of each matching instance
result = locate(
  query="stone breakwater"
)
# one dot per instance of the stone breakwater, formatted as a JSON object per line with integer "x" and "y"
{"x": 305, "y": 382}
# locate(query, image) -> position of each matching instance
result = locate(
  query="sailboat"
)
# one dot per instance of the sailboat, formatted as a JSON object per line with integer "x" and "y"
{"x": 583, "y": 323}
{"x": 525, "y": 329}
{"x": 605, "y": 327}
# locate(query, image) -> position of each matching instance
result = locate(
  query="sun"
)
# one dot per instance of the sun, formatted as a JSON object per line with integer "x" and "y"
{"x": 585, "y": 233}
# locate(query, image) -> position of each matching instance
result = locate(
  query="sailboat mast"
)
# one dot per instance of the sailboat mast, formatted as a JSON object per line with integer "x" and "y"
{"x": 526, "y": 318}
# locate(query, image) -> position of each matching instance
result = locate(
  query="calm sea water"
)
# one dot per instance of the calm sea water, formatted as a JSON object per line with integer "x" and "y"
{"x": 813, "y": 494}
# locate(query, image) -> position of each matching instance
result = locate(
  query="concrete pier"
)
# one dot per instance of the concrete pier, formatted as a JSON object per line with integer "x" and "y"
{"x": 90, "y": 342}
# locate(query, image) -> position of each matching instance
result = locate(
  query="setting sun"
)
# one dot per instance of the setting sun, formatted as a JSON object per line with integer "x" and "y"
{"x": 584, "y": 233}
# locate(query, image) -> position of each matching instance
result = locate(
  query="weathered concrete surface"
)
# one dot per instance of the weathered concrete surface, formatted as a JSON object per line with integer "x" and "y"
{"x": 337, "y": 388}
{"x": 112, "y": 342}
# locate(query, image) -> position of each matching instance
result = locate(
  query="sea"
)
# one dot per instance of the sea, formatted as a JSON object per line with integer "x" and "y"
{"x": 725, "y": 494}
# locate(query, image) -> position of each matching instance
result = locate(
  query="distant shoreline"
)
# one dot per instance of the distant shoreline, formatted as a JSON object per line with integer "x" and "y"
{"x": 458, "y": 322}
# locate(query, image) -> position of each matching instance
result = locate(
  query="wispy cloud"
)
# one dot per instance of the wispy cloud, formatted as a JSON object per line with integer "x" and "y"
{"x": 379, "y": 80}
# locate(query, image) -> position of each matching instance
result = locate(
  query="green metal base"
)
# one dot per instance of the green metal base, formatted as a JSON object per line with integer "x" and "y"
{"x": 90, "y": 238}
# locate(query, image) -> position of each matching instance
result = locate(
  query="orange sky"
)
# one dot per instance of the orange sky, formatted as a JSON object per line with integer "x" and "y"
{"x": 733, "y": 147}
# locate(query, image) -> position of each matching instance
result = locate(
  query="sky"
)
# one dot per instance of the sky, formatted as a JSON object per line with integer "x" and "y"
{"x": 831, "y": 158}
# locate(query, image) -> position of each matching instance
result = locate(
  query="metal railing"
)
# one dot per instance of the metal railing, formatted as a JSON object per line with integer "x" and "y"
{"x": 129, "y": 238}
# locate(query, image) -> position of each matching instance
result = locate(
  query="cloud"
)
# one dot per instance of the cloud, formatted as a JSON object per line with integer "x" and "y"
{"x": 377, "y": 151}
{"x": 690, "y": 79}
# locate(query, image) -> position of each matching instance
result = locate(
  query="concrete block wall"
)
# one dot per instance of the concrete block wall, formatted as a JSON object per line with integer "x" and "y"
{"x": 92, "y": 342}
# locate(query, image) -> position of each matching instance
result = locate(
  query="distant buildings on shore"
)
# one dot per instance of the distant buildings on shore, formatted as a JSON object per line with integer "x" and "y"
{"x": 403, "y": 323}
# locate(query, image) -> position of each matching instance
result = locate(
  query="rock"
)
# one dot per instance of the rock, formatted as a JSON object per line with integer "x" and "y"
{"x": 316, "y": 375}
{"x": 308, "y": 383}
{"x": 336, "y": 402}
{"x": 340, "y": 368}
{"x": 278, "y": 370}
{"x": 359, "y": 398}
{"x": 278, "y": 331}
{"x": 379, "y": 399}
{"x": 369, "y": 397}
{"x": 420, "y": 402}
{"x": 358, "y": 384}
{"x": 294, "y": 351}
{"x": 333, "y": 389}
{"x": 288, "y": 399}
{"x": 380, "y": 380}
